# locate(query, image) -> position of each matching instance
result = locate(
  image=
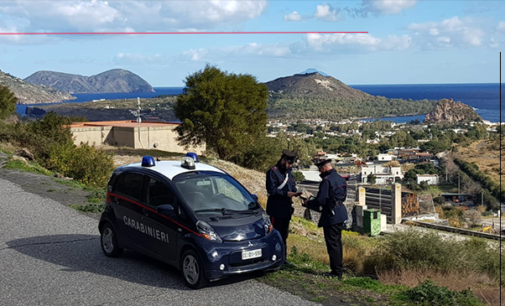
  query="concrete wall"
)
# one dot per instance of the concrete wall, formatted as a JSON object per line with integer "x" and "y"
{"x": 92, "y": 135}
{"x": 160, "y": 138}
{"x": 432, "y": 180}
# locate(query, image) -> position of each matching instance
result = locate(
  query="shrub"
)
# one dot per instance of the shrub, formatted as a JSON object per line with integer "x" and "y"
{"x": 298, "y": 176}
{"x": 428, "y": 251}
{"x": 90, "y": 166}
{"x": 429, "y": 293}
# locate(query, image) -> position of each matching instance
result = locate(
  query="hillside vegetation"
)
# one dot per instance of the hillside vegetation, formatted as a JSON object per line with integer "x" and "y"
{"x": 27, "y": 93}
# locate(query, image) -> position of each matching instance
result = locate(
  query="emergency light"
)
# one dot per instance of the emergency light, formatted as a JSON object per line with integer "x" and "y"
{"x": 148, "y": 161}
{"x": 188, "y": 163}
{"x": 193, "y": 155}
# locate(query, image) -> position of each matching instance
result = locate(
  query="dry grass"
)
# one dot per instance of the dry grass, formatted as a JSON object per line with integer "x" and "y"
{"x": 479, "y": 153}
{"x": 356, "y": 248}
{"x": 481, "y": 284}
{"x": 8, "y": 147}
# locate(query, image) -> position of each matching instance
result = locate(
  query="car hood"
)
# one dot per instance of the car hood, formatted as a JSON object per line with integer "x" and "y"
{"x": 241, "y": 229}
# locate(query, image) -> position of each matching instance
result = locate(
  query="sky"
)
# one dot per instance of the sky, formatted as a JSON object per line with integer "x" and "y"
{"x": 408, "y": 41}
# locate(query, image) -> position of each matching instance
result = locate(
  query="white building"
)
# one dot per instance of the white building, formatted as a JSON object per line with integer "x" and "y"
{"x": 382, "y": 174}
{"x": 432, "y": 179}
{"x": 388, "y": 157}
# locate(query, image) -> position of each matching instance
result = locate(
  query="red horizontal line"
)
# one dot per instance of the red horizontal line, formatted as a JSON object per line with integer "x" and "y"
{"x": 172, "y": 33}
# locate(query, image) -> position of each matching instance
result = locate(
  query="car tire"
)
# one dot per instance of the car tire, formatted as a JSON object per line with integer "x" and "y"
{"x": 192, "y": 270}
{"x": 108, "y": 240}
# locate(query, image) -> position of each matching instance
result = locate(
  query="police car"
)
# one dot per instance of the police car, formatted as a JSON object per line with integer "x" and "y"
{"x": 190, "y": 215}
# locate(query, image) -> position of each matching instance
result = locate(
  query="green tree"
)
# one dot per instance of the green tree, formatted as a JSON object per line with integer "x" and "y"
{"x": 371, "y": 179}
{"x": 224, "y": 110}
{"x": 7, "y": 102}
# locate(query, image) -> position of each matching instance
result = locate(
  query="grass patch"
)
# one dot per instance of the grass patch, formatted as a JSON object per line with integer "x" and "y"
{"x": 89, "y": 208}
{"x": 70, "y": 183}
{"x": 96, "y": 195}
{"x": 429, "y": 293}
{"x": 32, "y": 167}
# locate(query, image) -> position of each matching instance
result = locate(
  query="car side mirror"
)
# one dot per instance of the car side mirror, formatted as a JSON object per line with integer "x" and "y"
{"x": 166, "y": 209}
{"x": 255, "y": 197}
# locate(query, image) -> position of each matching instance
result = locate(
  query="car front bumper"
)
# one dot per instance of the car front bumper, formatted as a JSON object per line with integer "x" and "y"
{"x": 225, "y": 259}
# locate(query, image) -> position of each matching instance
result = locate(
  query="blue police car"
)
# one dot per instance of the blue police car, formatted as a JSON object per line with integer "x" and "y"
{"x": 190, "y": 215}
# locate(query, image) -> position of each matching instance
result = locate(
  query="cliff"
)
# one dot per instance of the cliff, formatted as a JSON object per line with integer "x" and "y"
{"x": 30, "y": 93}
{"x": 111, "y": 81}
{"x": 446, "y": 110}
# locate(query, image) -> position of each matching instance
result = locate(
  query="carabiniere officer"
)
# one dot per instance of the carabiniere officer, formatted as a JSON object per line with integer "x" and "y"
{"x": 330, "y": 203}
{"x": 281, "y": 188}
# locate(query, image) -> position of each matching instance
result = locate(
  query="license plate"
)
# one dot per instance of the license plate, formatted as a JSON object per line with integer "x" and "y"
{"x": 251, "y": 254}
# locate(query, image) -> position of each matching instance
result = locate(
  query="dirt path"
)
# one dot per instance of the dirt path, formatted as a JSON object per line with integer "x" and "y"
{"x": 47, "y": 187}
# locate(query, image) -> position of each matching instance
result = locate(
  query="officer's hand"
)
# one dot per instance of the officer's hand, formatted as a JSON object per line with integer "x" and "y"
{"x": 292, "y": 194}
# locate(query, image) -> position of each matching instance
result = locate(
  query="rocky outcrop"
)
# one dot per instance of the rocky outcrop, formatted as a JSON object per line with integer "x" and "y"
{"x": 446, "y": 110}
{"x": 112, "y": 81}
{"x": 314, "y": 85}
{"x": 30, "y": 93}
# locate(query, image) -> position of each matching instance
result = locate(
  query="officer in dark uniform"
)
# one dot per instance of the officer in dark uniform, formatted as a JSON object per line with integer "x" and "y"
{"x": 281, "y": 188}
{"x": 329, "y": 202}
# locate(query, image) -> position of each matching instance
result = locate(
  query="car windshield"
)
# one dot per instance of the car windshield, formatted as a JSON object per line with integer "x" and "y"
{"x": 215, "y": 194}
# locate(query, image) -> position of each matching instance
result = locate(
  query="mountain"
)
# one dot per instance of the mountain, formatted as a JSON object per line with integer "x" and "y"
{"x": 314, "y": 85}
{"x": 31, "y": 94}
{"x": 446, "y": 110}
{"x": 313, "y": 70}
{"x": 111, "y": 81}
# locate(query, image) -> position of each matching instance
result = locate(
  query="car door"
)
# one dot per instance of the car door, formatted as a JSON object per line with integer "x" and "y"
{"x": 161, "y": 230}
{"x": 126, "y": 198}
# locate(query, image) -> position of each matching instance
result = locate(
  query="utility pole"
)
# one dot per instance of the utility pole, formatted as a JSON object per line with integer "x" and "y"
{"x": 139, "y": 120}
{"x": 459, "y": 189}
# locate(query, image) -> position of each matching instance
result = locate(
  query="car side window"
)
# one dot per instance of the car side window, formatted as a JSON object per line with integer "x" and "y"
{"x": 130, "y": 184}
{"x": 159, "y": 193}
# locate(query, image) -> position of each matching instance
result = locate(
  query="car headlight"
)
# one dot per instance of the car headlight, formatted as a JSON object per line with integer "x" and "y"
{"x": 207, "y": 231}
{"x": 267, "y": 224}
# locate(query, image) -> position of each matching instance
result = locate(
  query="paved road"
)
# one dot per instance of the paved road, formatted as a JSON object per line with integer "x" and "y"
{"x": 50, "y": 255}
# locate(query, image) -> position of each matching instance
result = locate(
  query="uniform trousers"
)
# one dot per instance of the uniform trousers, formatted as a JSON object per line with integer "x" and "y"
{"x": 282, "y": 226}
{"x": 333, "y": 239}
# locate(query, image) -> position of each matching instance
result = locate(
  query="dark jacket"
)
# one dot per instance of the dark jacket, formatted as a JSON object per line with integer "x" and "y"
{"x": 278, "y": 203}
{"x": 330, "y": 198}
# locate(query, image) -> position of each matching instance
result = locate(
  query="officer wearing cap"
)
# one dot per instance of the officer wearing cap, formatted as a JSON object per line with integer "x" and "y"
{"x": 281, "y": 188}
{"x": 329, "y": 202}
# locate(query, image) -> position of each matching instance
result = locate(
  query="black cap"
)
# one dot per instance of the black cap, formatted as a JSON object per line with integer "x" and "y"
{"x": 288, "y": 155}
{"x": 319, "y": 164}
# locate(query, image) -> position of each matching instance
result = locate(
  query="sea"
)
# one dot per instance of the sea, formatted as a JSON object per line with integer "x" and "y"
{"x": 483, "y": 97}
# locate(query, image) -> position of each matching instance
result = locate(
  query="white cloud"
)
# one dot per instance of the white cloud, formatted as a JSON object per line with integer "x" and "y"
{"x": 136, "y": 15}
{"x": 353, "y": 42}
{"x": 294, "y": 16}
{"x": 493, "y": 44}
{"x": 327, "y": 13}
{"x": 234, "y": 52}
{"x": 501, "y": 26}
{"x": 384, "y": 7}
{"x": 451, "y": 32}
{"x": 136, "y": 59}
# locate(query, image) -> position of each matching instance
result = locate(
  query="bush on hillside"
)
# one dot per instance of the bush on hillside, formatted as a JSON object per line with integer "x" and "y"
{"x": 298, "y": 176}
{"x": 52, "y": 144}
{"x": 428, "y": 251}
{"x": 429, "y": 293}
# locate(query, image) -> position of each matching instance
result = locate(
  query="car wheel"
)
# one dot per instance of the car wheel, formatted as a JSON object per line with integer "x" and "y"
{"x": 192, "y": 270}
{"x": 109, "y": 243}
